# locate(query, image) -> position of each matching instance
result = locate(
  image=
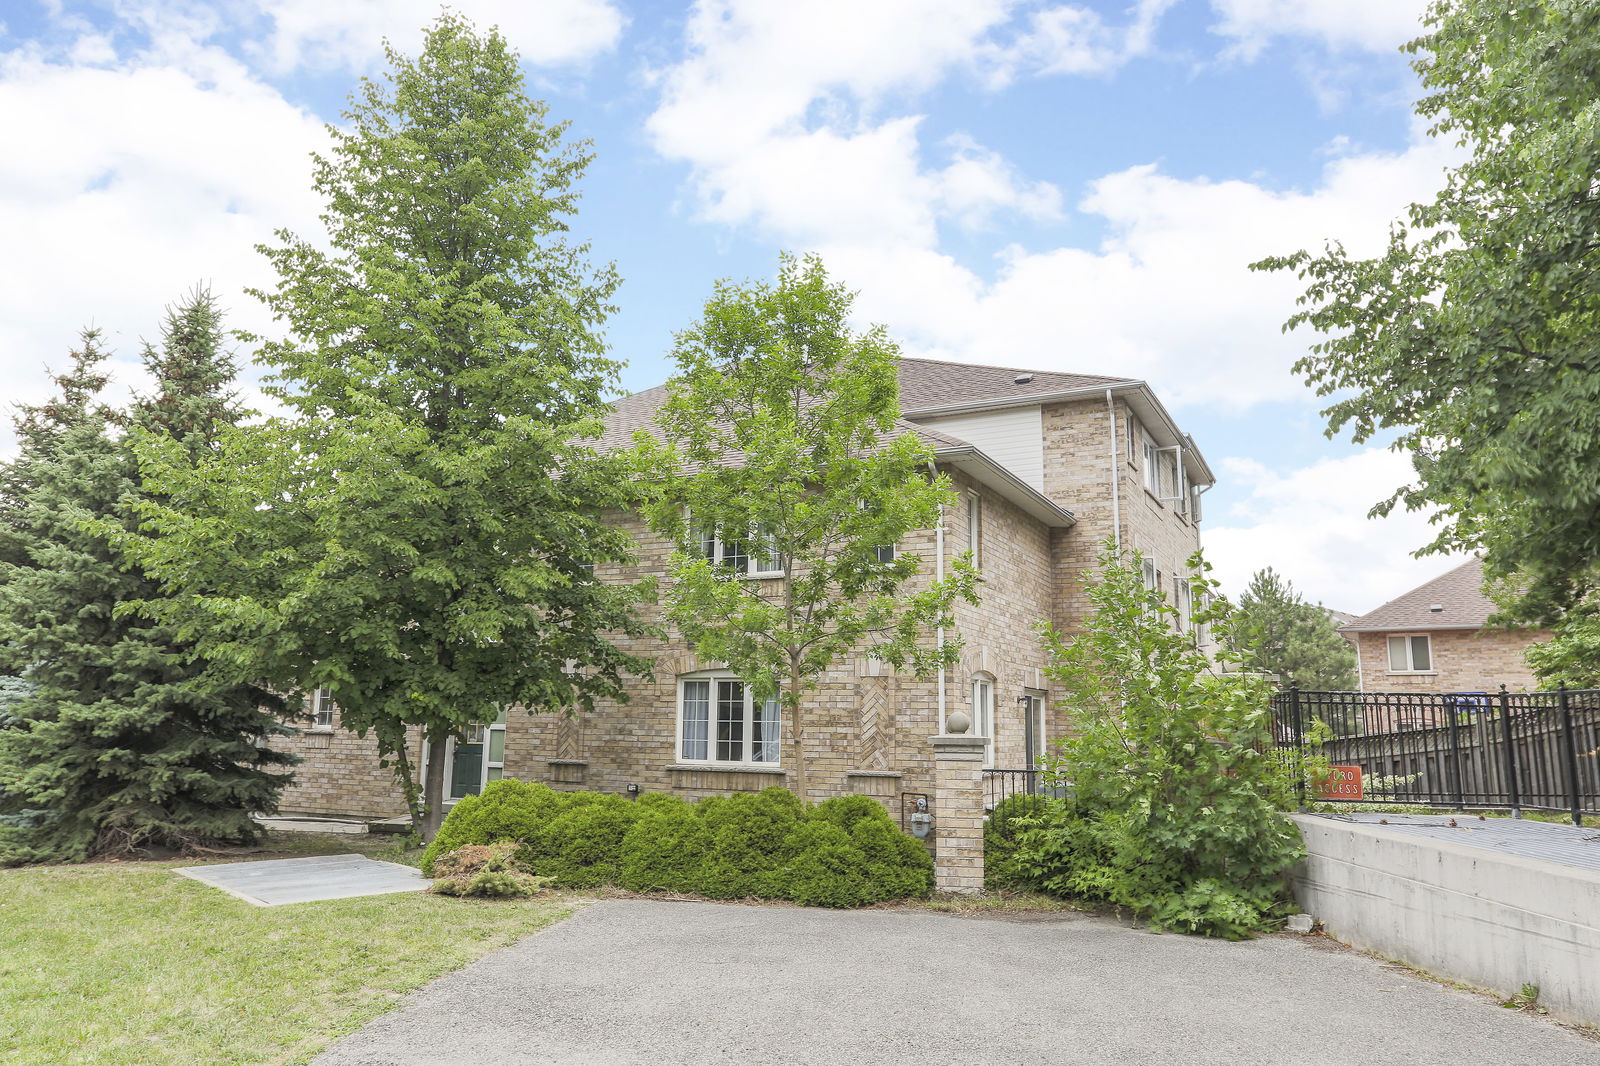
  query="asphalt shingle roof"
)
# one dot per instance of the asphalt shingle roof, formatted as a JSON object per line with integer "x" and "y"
{"x": 1459, "y": 593}
{"x": 924, "y": 383}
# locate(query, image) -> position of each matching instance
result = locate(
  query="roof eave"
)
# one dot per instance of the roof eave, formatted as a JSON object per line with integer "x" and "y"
{"x": 1013, "y": 488}
{"x": 1415, "y": 628}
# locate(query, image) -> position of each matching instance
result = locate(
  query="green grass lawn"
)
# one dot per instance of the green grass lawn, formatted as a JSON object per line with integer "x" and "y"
{"x": 131, "y": 963}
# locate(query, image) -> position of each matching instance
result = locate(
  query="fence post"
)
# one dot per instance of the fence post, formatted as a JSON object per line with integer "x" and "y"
{"x": 1299, "y": 743}
{"x": 1571, "y": 747}
{"x": 1452, "y": 711}
{"x": 958, "y": 808}
{"x": 1511, "y": 753}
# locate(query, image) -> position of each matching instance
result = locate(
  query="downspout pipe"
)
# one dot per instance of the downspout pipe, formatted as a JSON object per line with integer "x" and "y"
{"x": 1116, "y": 481}
{"x": 938, "y": 574}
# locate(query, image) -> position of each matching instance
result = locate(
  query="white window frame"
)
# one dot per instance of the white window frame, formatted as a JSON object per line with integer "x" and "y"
{"x": 1152, "y": 470}
{"x": 714, "y": 680}
{"x": 1410, "y": 656}
{"x": 318, "y": 703}
{"x": 1184, "y": 594}
{"x": 975, "y": 529}
{"x": 983, "y": 719}
{"x": 714, "y": 549}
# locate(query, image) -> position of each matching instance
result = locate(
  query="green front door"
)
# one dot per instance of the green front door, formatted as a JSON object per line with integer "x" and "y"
{"x": 466, "y": 766}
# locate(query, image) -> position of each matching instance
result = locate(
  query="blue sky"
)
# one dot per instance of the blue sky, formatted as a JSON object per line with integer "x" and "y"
{"x": 1065, "y": 186}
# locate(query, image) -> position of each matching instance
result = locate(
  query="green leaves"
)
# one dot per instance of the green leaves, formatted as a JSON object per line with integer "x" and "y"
{"x": 1173, "y": 806}
{"x": 782, "y": 432}
{"x": 1473, "y": 335}
{"x": 1277, "y": 632}
{"x": 415, "y": 534}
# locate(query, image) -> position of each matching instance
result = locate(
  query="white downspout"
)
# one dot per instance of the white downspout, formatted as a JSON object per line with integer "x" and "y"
{"x": 938, "y": 574}
{"x": 1116, "y": 481}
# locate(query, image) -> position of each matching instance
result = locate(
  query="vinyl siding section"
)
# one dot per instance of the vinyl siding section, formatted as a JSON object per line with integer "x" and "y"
{"x": 1014, "y": 438}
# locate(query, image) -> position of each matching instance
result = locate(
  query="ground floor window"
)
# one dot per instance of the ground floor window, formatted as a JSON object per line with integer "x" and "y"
{"x": 1410, "y": 654}
{"x": 720, "y": 721}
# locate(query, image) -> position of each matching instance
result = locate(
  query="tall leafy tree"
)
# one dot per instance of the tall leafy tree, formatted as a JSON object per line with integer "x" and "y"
{"x": 1276, "y": 631}
{"x": 416, "y": 532}
{"x": 782, "y": 443}
{"x": 1474, "y": 334}
{"x": 123, "y": 739}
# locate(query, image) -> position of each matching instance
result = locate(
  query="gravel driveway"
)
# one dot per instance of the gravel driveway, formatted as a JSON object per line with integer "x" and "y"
{"x": 626, "y": 982}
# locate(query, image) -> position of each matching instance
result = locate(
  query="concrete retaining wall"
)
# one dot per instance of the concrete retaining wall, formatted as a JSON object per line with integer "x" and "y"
{"x": 1492, "y": 920}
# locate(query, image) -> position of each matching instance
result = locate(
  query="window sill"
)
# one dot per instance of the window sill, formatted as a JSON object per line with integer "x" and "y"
{"x": 318, "y": 730}
{"x": 1157, "y": 500}
{"x": 728, "y": 767}
{"x": 1411, "y": 673}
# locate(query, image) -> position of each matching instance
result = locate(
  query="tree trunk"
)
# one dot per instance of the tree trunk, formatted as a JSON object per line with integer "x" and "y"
{"x": 433, "y": 788}
{"x": 407, "y": 779}
{"x": 795, "y": 734}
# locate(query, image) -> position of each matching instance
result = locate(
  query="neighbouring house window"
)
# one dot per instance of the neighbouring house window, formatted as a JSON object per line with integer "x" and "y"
{"x": 983, "y": 715}
{"x": 1185, "y": 599}
{"x": 318, "y": 706}
{"x": 719, "y": 721}
{"x": 1152, "y": 576}
{"x": 1152, "y": 466}
{"x": 1131, "y": 436}
{"x": 1194, "y": 503}
{"x": 975, "y": 530}
{"x": 1410, "y": 653}
{"x": 884, "y": 553}
{"x": 751, "y": 556}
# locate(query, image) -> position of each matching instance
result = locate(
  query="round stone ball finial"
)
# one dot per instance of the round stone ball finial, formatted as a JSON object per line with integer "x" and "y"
{"x": 957, "y": 723}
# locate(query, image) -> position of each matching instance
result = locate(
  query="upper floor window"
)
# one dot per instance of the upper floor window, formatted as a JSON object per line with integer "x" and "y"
{"x": 318, "y": 706}
{"x": 983, "y": 715}
{"x": 975, "y": 529}
{"x": 1185, "y": 597}
{"x": 751, "y": 556}
{"x": 719, "y": 721}
{"x": 1410, "y": 654}
{"x": 884, "y": 553}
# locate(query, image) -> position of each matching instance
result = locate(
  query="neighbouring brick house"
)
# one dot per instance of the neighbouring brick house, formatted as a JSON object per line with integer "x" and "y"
{"x": 1435, "y": 638}
{"x": 1047, "y": 466}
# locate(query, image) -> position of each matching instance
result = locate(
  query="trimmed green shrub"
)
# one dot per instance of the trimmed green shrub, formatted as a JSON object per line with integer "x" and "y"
{"x": 665, "y": 851}
{"x": 486, "y": 871}
{"x": 1011, "y": 817}
{"x": 582, "y": 846}
{"x": 506, "y": 810}
{"x": 845, "y": 852}
{"x": 748, "y": 834}
{"x": 826, "y": 869}
{"x": 846, "y": 811}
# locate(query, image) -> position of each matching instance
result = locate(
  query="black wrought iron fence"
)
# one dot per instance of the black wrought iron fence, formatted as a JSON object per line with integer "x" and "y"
{"x": 1520, "y": 750}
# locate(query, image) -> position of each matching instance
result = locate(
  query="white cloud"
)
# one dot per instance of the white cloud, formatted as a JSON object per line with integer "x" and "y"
{"x": 349, "y": 34}
{"x": 1311, "y": 526}
{"x": 1074, "y": 40}
{"x": 1368, "y": 25}
{"x": 126, "y": 183}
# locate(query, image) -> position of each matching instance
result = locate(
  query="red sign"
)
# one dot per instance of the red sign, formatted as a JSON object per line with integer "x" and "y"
{"x": 1343, "y": 783}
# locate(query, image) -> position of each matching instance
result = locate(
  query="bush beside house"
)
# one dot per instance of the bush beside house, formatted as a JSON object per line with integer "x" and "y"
{"x": 844, "y": 852}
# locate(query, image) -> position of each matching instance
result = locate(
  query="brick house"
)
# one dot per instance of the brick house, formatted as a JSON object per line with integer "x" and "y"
{"x": 1435, "y": 638}
{"x": 1047, "y": 466}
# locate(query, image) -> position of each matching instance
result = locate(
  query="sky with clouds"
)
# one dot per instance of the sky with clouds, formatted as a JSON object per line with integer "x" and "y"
{"x": 1060, "y": 186}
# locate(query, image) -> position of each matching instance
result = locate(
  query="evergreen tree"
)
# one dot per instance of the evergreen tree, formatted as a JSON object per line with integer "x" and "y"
{"x": 124, "y": 739}
{"x": 417, "y": 533}
{"x": 1278, "y": 632}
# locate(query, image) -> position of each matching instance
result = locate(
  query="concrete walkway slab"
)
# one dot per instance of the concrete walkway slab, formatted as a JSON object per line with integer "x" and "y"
{"x": 273, "y": 882}
{"x": 629, "y": 983}
{"x": 1568, "y": 845}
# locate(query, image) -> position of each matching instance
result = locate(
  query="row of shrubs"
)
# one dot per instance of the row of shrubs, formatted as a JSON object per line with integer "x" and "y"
{"x": 842, "y": 852}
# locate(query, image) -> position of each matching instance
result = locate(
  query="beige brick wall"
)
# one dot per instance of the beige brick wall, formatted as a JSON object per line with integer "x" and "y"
{"x": 1470, "y": 660}
{"x": 866, "y": 729}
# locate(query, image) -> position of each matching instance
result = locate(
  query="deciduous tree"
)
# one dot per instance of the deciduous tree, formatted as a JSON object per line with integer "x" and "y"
{"x": 785, "y": 456}
{"x": 1473, "y": 336}
{"x": 416, "y": 533}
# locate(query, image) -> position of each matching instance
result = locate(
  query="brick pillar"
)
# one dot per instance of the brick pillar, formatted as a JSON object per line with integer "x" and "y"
{"x": 958, "y": 811}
